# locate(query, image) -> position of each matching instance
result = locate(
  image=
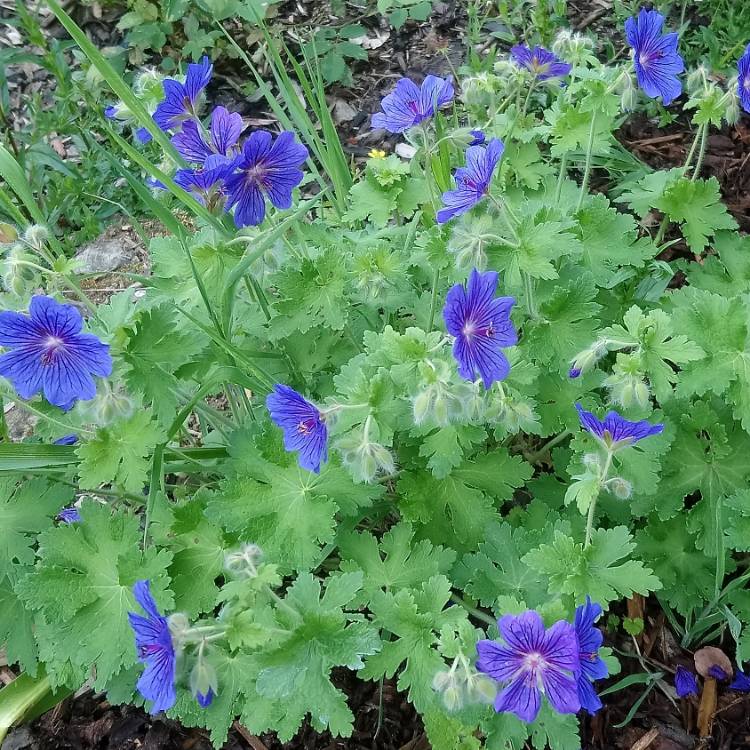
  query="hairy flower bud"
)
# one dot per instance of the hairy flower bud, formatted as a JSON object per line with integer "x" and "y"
{"x": 480, "y": 90}
{"x": 36, "y": 235}
{"x": 481, "y": 689}
{"x": 453, "y": 698}
{"x": 696, "y": 79}
{"x": 204, "y": 682}
{"x": 619, "y": 487}
{"x": 442, "y": 680}
{"x": 17, "y": 276}
{"x": 244, "y": 562}
{"x": 149, "y": 84}
{"x": 732, "y": 100}
{"x": 111, "y": 404}
{"x": 179, "y": 626}
{"x": 588, "y": 358}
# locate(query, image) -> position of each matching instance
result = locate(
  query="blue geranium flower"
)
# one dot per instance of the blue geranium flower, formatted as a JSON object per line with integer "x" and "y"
{"x": 592, "y": 666}
{"x": 741, "y": 682}
{"x": 71, "y": 439}
{"x": 49, "y": 353}
{"x": 408, "y": 104}
{"x": 153, "y": 641}
{"x": 180, "y": 99}
{"x": 69, "y": 515}
{"x": 615, "y": 431}
{"x": 204, "y": 701}
{"x": 481, "y": 324}
{"x": 685, "y": 683}
{"x": 226, "y": 128}
{"x": 743, "y": 79}
{"x": 303, "y": 424}
{"x": 655, "y": 56}
{"x": 472, "y": 181}
{"x": 540, "y": 62}
{"x": 266, "y": 168}
{"x": 477, "y": 138}
{"x": 207, "y": 183}
{"x": 532, "y": 660}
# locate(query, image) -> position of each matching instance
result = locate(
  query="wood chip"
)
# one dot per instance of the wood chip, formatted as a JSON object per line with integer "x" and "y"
{"x": 646, "y": 741}
{"x": 254, "y": 742}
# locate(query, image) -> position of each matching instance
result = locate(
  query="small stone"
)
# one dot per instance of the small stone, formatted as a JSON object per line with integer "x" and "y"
{"x": 104, "y": 255}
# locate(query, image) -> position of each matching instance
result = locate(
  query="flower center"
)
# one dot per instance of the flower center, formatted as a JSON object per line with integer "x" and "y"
{"x": 413, "y": 107}
{"x": 149, "y": 650}
{"x": 746, "y": 82}
{"x": 255, "y": 175}
{"x": 534, "y": 662}
{"x": 537, "y": 67}
{"x": 306, "y": 426}
{"x": 52, "y": 345}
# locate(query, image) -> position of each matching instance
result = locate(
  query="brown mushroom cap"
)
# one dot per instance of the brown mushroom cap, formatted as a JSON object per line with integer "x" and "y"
{"x": 710, "y": 656}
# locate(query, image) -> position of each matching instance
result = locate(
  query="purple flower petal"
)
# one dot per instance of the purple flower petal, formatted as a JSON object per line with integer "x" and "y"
{"x": 743, "y": 79}
{"x": 304, "y": 427}
{"x": 408, "y": 104}
{"x": 539, "y": 61}
{"x": 266, "y": 168}
{"x": 655, "y": 57}
{"x": 48, "y": 353}
{"x": 685, "y": 683}
{"x": 616, "y": 431}
{"x": 472, "y": 181}
{"x": 532, "y": 661}
{"x": 155, "y": 649}
{"x": 481, "y": 325}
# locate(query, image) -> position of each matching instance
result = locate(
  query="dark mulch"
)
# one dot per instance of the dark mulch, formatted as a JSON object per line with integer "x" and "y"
{"x": 89, "y": 722}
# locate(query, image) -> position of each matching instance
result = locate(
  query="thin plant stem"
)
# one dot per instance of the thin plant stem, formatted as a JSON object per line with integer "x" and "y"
{"x": 473, "y": 611}
{"x": 587, "y": 168}
{"x": 561, "y": 177}
{"x": 701, "y": 154}
{"x": 549, "y": 445}
{"x": 433, "y": 298}
{"x": 592, "y": 506}
{"x": 528, "y": 286}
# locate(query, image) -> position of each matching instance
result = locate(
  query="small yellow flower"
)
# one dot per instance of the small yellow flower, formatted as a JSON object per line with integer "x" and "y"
{"x": 376, "y": 153}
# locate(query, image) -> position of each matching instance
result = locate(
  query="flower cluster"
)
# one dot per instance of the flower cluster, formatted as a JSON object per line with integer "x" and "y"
{"x": 560, "y": 662}
{"x": 222, "y": 173}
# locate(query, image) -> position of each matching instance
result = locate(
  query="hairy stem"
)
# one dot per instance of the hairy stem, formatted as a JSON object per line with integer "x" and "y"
{"x": 587, "y": 168}
{"x": 592, "y": 508}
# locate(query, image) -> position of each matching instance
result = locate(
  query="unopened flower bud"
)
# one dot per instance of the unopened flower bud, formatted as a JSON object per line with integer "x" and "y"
{"x": 244, "y": 561}
{"x": 453, "y": 698}
{"x": 442, "y": 680}
{"x": 481, "y": 689}
{"x": 588, "y": 358}
{"x": 204, "y": 682}
{"x": 696, "y": 79}
{"x": 179, "y": 625}
{"x": 421, "y": 406}
{"x": 18, "y": 277}
{"x": 149, "y": 84}
{"x": 620, "y": 488}
{"x": 732, "y": 111}
{"x": 480, "y": 90}
{"x": 110, "y": 405}
{"x": 36, "y": 235}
